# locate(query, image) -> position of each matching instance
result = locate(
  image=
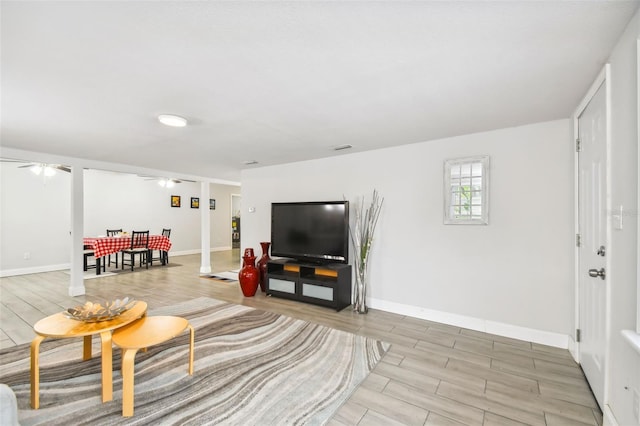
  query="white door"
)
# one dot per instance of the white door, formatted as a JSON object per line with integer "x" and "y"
{"x": 592, "y": 214}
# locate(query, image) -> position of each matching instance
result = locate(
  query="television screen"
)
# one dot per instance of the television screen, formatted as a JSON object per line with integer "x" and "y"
{"x": 311, "y": 231}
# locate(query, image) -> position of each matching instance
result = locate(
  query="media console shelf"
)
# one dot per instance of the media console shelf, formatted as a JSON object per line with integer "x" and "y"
{"x": 325, "y": 285}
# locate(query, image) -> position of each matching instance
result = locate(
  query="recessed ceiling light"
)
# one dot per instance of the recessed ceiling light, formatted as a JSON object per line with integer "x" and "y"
{"x": 250, "y": 162}
{"x": 341, "y": 147}
{"x": 172, "y": 120}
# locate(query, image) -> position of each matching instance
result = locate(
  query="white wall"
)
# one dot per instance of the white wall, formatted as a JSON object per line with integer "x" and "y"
{"x": 624, "y": 361}
{"x": 118, "y": 200}
{"x": 34, "y": 219}
{"x": 111, "y": 200}
{"x": 514, "y": 276}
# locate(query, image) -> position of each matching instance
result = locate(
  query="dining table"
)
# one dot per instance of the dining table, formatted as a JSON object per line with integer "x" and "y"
{"x": 104, "y": 246}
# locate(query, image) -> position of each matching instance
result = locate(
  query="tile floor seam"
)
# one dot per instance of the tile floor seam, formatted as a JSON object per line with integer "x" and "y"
{"x": 455, "y": 401}
{"x": 488, "y": 401}
{"x": 548, "y": 408}
{"x": 389, "y": 395}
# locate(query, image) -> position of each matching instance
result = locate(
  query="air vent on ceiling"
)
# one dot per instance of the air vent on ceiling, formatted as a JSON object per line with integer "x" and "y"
{"x": 341, "y": 147}
{"x": 250, "y": 162}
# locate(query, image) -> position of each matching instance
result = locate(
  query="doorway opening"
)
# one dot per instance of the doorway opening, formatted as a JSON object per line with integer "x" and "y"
{"x": 236, "y": 208}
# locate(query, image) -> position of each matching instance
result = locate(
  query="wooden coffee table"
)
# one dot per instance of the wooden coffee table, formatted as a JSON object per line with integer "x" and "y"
{"x": 148, "y": 331}
{"x": 59, "y": 326}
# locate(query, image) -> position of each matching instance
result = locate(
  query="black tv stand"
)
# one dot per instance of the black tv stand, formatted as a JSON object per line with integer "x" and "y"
{"x": 321, "y": 284}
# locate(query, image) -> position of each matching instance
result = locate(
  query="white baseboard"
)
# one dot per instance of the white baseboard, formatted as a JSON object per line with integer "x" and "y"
{"x": 63, "y": 266}
{"x": 493, "y": 327}
{"x": 183, "y": 253}
{"x": 221, "y": 248}
{"x": 196, "y": 251}
{"x": 34, "y": 270}
{"x": 608, "y": 419}
{"x": 573, "y": 349}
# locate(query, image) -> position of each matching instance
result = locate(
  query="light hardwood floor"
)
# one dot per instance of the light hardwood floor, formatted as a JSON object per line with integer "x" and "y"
{"x": 433, "y": 374}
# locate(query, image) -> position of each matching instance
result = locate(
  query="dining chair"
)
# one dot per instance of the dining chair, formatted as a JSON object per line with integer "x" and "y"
{"x": 163, "y": 256}
{"x": 140, "y": 246}
{"x": 86, "y": 254}
{"x": 113, "y": 233}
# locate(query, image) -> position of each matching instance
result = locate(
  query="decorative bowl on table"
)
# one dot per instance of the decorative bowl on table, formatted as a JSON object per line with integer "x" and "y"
{"x": 95, "y": 312}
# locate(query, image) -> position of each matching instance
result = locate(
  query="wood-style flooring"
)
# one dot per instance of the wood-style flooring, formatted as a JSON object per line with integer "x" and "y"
{"x": 434, "y": 374}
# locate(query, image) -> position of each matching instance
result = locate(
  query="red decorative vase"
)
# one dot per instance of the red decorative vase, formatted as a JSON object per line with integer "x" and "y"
{"x": 248, "y": 252}
{"x": 262, "y": 265}
{"x": 249, "y": 276}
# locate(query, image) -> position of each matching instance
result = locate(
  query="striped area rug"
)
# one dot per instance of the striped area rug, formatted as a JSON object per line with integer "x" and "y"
{"x": 251, "y": 368}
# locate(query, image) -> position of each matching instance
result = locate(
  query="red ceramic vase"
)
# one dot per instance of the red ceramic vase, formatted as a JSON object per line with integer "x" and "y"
{"x": 248, "y": 252}
{"x": 262, "y": 265}
{"x": 249, "y": 276}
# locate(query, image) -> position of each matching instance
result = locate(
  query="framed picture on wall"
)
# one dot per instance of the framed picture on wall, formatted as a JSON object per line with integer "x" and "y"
{"x": 195, "y": 203}
{"x": 175, "y": 201}
{"x": 212, "y": 204}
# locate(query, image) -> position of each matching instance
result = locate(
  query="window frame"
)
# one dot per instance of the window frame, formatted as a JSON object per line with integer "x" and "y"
{"x": 449, "y": 218}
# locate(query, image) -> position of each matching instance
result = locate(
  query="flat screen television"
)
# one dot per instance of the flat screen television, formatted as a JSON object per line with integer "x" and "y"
{"x": 311, "y": 231}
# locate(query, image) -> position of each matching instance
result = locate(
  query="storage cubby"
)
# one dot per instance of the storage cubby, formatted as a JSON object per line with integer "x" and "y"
{"x": 326, "y": 285}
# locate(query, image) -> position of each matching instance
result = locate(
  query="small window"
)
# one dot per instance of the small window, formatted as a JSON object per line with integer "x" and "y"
{"x": 466, "y": 191}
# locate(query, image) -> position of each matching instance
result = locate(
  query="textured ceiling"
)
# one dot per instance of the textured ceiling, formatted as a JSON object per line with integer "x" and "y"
{"x": 279, "y": 82}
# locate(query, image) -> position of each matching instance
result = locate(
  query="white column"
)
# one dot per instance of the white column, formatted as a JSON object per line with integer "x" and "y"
{"x": 76, "y": 286}
{"x": 205, "y": 229}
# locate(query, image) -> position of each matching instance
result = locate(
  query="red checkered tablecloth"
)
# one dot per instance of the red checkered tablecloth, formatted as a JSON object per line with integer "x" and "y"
{"x": 103, "y": 246}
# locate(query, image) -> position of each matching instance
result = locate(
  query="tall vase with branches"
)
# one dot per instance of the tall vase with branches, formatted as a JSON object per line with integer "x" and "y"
{"x": 362, "y": 231}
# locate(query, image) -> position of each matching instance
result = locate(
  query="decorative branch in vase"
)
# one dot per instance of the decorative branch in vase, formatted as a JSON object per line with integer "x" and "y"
{"x": 364, "y": 226}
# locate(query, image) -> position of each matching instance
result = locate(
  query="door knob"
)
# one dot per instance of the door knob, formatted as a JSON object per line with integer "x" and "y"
{"x": 597, "y": 273}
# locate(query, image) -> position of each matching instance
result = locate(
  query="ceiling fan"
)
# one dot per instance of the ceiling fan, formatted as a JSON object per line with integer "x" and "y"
{"x": 46, "y": 169}
{"x": 165, "y": 182}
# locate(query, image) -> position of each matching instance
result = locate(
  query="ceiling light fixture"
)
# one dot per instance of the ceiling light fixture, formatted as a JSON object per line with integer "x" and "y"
{"x": 49, "y": 171}
{"x": 172, "y": 120}
{"x": 167, "y": 183}
{"x": 36, "y": 169}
